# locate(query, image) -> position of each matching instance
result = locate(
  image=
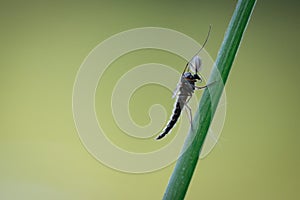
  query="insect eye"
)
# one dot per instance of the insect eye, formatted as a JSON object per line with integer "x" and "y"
{"x": 196, "y": 76}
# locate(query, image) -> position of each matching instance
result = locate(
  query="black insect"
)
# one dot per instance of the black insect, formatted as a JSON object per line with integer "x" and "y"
{"x": 185, "y": 90}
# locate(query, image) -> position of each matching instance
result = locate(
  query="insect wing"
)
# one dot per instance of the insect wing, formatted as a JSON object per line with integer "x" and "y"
{"x": 175, "y": 92}
{"x": 195, "y": 64}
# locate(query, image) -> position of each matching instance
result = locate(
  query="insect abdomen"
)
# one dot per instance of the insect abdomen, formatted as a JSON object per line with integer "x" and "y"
{"x": 172, "y": 122}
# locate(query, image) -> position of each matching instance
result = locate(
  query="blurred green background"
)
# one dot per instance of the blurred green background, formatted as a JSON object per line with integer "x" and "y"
{"x": 43, "y": 44}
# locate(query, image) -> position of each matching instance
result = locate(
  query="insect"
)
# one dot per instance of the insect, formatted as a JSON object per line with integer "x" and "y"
{"x": 185, "y": 89}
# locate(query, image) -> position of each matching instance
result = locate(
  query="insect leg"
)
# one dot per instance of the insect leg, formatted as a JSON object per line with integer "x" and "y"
{"x": 189, "y": 109}
{"x": 202, "y": 87}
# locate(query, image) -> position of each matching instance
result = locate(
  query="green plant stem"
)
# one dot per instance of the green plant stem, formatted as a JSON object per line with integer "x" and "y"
{"x": 185, "y": 166}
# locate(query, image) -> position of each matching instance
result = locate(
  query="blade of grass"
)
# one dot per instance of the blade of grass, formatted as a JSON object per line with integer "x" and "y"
{"x": 185, "y": 166}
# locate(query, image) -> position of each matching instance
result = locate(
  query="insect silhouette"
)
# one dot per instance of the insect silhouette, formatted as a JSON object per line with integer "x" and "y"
{"x": 185, "y": 89}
